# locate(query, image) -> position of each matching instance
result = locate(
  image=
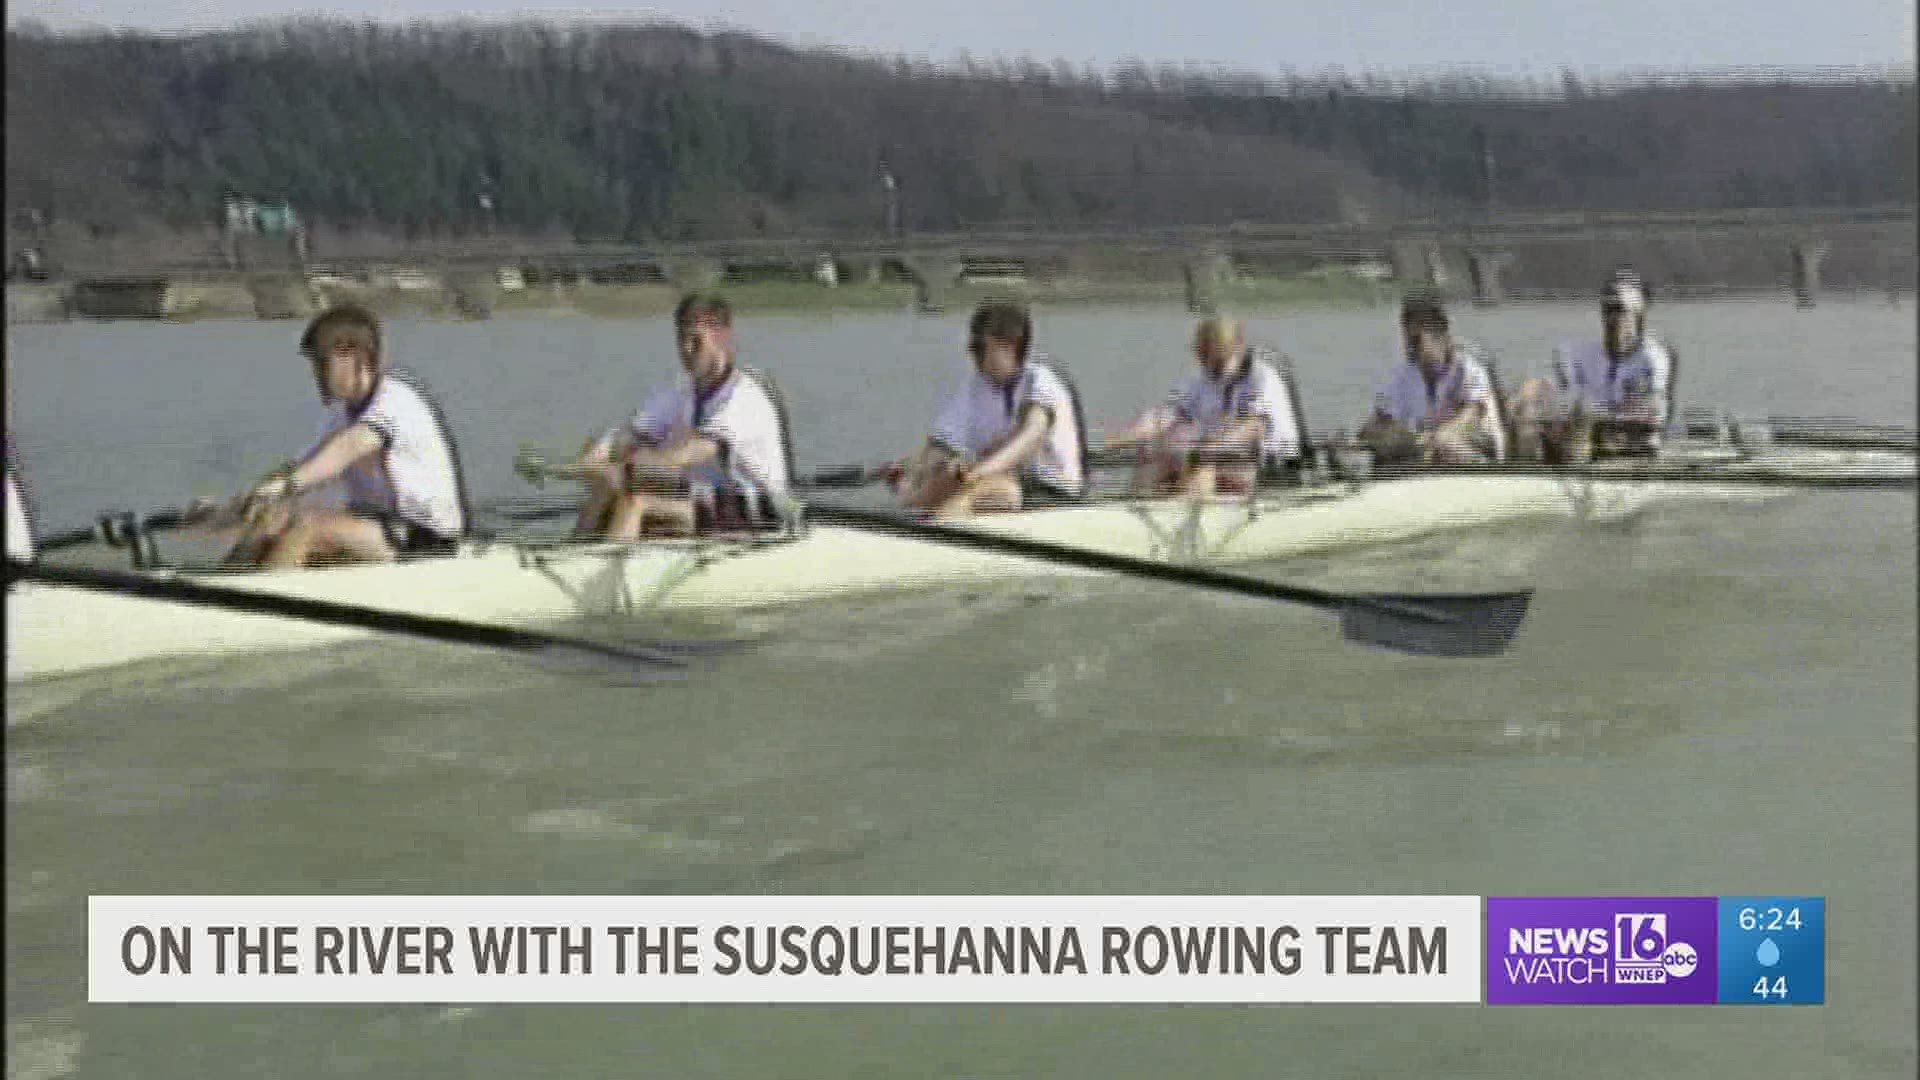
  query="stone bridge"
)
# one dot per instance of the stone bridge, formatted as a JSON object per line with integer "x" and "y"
{"x": 1485, "y": 259}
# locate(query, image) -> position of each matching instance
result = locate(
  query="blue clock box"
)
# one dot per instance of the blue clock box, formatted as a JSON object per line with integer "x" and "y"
{"x": 1773, "y": 950}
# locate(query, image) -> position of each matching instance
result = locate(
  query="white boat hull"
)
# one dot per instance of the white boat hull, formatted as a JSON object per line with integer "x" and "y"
{"x": 55, "y": 630}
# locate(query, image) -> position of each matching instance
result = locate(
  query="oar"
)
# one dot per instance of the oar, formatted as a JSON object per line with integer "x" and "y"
{"x": 1463, "y": 624}
{"x": 536, "y": 470}
{"x": 178, "y": 590}
{"x": 120, "y": 528}
{"x": 1837, "y": 433}
{"x": 1704, "y": 473}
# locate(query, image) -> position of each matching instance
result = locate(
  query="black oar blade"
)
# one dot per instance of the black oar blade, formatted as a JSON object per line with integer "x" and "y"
{"x": 1479, "y": 625}
{"x": 606, "y": 666}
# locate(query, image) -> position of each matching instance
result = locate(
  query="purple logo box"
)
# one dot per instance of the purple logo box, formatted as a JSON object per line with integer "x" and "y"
{"x": 1597, "y": 950}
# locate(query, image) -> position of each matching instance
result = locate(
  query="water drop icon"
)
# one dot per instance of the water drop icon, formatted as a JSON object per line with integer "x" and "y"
{"x": 1768, "y": 953}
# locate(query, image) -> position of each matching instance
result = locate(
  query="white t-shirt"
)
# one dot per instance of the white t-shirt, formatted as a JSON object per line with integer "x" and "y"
{"x": 20, "y": 546}
{"x": 1408, "y": 399}
{"x": 414, "y": 477}
{"x": 1584, "y": 372}
{"x": 739, "y": 415}
{"x": 980, "y": 414}
{"x": 1258, "y": 390}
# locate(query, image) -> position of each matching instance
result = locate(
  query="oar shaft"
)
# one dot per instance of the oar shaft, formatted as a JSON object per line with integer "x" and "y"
{"x": 1201, "y": 577}
{"x": 71, "y": 538}
{"x": 456, "y": 631}
{"x": 1711, "y": 474}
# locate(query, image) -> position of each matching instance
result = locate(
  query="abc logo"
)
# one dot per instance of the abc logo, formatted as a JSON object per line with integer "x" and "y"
{"x": 1680, "y": 960}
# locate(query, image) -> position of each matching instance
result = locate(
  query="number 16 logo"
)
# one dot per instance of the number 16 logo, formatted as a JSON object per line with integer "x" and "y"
{"x": 1639, "y": 938}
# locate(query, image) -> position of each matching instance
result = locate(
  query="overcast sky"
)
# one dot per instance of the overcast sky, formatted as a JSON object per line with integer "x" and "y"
{"x": 1524, "y": 36}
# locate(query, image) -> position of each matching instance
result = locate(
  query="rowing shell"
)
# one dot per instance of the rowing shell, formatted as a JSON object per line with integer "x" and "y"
{"x": 52, "y": 630}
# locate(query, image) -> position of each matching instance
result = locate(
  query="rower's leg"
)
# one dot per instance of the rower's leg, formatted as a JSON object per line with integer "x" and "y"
{"x": 672, "y": 517}
{"x": 992, "y": 494}
{"x": 331, "y": 536}
{"x": 1199, "y": 481}
{"x": 1391, "y": 443}
{"x": 635, "y": 515}
{"x": 1452, "y": 448}
{"x": 1532, "y": 415}
{"x": 259, "y": 537}
{"x": 626, "y": 517}
{"x": 1239, "y": 480}
{"x": 604, "y": 487}
{"x": 1157, "y": 473}
{"x": 931, "y": 488}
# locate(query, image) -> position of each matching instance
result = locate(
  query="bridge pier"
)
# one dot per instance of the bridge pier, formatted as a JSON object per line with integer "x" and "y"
{"x": 473, "y": 294}
{"x": 1807, "y": 257}
{"x": 34, "y": 302}
{"x": 1414, "y": 265}
{"x": 281, "y": 297}
{"x": 1485, "y": 268}
{"x": 932, "y": 278}
{"x": 1207, "y": 275}
{"x": 692, "y": 274}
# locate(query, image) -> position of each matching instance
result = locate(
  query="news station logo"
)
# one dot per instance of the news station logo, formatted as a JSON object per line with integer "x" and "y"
{"x": 1601, "y": 950}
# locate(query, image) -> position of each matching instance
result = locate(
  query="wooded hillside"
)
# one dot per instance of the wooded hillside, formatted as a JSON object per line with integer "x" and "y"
{"x": 646, "y": 133}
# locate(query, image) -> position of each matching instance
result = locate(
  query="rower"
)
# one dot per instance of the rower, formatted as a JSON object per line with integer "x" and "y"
{"x": 706, "y": 454}
{"x": 1221, "y": 426}
{"x": 1610, "y": 397}
{"x": 1439, "y": 405}
{"x": 384, "y": 448}
{"x": 1009, "y": 438}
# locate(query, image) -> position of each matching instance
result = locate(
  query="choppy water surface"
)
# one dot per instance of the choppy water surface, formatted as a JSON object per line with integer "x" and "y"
{"x": 1708, "y": 699}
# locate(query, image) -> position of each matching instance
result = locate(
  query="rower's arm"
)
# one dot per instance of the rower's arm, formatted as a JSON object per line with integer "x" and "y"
{"x": 1239, "y": 432}
{"x": 694, "y": 449}
{"x": 1464, "y": 422}
{"x": 1032, "y": 432}
{"x": 336, "y": 454}
{"x": 1150, "y": 425}
{"x": 1380, "y": 424}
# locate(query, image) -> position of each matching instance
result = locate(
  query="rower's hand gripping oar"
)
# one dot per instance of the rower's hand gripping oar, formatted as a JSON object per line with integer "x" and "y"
{"x": 533, "y": 467}
{"x": 1466, "y": 624}
{"x": 550, "y": 647}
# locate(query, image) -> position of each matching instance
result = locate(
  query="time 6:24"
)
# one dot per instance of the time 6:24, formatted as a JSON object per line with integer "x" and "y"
{"x": 1770, "y": 919}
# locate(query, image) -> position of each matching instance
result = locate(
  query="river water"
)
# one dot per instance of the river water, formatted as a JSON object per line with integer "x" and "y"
{"x": 1710, "y": 699}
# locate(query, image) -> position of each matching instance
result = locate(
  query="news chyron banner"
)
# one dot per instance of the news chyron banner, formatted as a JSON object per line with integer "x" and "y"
{"x": 778, "y": 949}
{"x": 1747, "y": 950}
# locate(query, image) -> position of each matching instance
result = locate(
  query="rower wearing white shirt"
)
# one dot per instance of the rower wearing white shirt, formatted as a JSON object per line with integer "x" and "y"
{"x": 1010, "y": 437}
{"x": 1221, "y": 425}
{"x": 1608, "y": 397}
{"x": 708, "y": 453}
{"x": 384, "y": 455}
{"x": 1438, "y": 405}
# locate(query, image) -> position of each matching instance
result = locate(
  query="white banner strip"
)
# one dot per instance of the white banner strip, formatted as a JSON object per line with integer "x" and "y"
{"x": 771, "y": 949}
